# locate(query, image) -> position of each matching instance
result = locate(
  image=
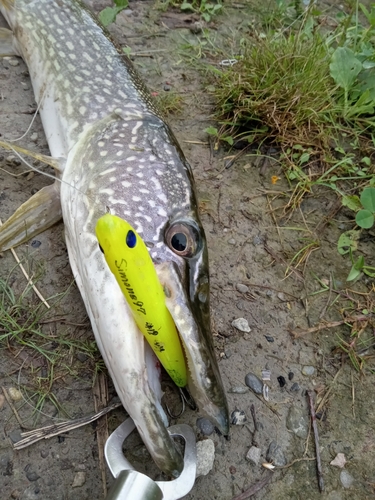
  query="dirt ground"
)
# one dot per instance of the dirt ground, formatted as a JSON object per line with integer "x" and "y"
{"x": 245, "y": 248}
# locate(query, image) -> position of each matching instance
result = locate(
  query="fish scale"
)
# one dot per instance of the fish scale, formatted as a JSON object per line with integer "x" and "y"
{"x": 115, "y": 154}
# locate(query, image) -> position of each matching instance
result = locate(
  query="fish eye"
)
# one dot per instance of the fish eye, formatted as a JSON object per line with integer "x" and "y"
{"x": 182, "y": 239}
{"x": 131, "y": 239}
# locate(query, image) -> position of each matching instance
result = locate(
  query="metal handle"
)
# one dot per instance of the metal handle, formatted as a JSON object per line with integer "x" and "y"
{"x": 133, "y": 485}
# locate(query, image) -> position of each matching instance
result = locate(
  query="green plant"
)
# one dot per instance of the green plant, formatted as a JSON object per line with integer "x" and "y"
{"x": 109, "y": 14}
{"x": 348, "y": 241}
{"x": 207, "y": 9}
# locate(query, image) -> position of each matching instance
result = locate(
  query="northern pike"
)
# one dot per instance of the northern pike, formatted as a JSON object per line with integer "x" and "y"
{"x": 113, "y": 153}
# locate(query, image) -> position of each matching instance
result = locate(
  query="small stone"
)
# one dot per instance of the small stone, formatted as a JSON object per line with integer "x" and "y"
{"x": 35, "y": 243}
{"x": 257, "y": 240}
{"x": 253, "y": 455}
{"x": 167, "y": 87}
{"x": 232, "y": 469}
{"x": 238, "y": 389}
{"x": 281, "y": 381}
{"x": 242, "y": 288}
{"x": 295, "y": 387}
{"x": 15, "y": 394}
{"x": 13, "y": 62}
{"x": 281, "y": 296}
{"x": 238, "y": 417}
{"x": 205, "y": 457}
{"x": 82, "y": 357}
{"x": 241, "y": 324}
{"x": 308, "y": 371}
{"x": 16, "y": 494}
{"x": 32, "y": 476}
{"x": 339, "y": 461}
{"x": 276, "y": 455}
{"x": 290, "y": 375}
{"x": 2, "y": 400}
{"x": 297, "y": 422}
{"x": 15, "y": 435}
{"x": 25, "y": 86}
{"x": 346, "y": 479}
{"x": 269, "y": 338}
{"x": 34, "y": 137}
{"x": 44, "y": 453}
{"x": 205, "y": 426}
{"x": 79, "y": 479}
{"x": 254, "y": 383}
{"x": 232, "y": 241}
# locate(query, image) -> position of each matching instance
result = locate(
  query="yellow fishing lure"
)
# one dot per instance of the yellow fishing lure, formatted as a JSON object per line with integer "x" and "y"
{"x": 130, "y": 262}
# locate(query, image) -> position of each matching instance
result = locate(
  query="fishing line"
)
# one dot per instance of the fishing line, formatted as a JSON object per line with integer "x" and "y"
{"x": 32, "y": 121}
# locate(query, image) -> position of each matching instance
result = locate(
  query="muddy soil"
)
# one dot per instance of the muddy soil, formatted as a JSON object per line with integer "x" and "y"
{"x": 245, "y": 249}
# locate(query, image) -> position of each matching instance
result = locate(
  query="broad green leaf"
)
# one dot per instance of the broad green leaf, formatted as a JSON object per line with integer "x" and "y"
{"x": 107, "y": 16}
{"x": 368, "y": 199}
{"x": 187, "y": 6}
{"x": 351, "y": 202}
{"x": 121, "y": 3}
{"x": 348, "y": 242}
{"x": 211, "y": 130}
{"x": 228, "y": 139}
{"x": 356, "y": 269}
{"x": 365, "y": 219}
{"x": 304, "y": 158}
{"x": 366, "y": 160}
{"x": 367, "y": 271}
{"x": 344, "y": 67}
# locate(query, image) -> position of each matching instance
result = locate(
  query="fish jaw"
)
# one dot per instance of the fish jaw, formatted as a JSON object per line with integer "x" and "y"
{"x": 131, "y": 365}
{"x": 193, "y": 324}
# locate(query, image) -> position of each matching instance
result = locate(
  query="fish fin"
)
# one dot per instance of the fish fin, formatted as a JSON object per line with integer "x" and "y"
{"x": 38, "y": 213}
{"x": 56, "y": 163}
{"x": 6, "y": 43}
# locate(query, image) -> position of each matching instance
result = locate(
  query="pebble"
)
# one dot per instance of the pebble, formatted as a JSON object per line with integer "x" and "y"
{"x": 15, "y": 435}
{"x": 241, "y": 324}
{"x": 257, "y": 240}
{"x": 269, "y": 338}
{"x": 205, "y": 426}
{"x": 254, "y": 383}
{"x": 290, "y": 375}
{"x": 339, "y": 461}
{"x": 238, "y": 389}
{"x": 32, "y": 475}
{"x": 2, "y": 400}
{"x": 205, "y": 457}
{"x": 36, "y": 243}
{"x": 295, "y": 387}
{"x": 82, "y": 357}
{"x": 242, "y": 288}
{"x": 232, "y": 241}
{"x": 346, "y": 479}
{"x": 34, "y": 137}
{"x": 308, "y": 371}
{"x": 297, "y": 422}
{"x": 13, "y": 62}
{"x": 253, "y": 455}
{"x": 238, "y": 417}
{"x": 281, "y": 381}
{"x": 167, "y": 87}
{"x": 44, "y": 453}
{"x": 79, "y": 479}
{"x": 276, "y": 455}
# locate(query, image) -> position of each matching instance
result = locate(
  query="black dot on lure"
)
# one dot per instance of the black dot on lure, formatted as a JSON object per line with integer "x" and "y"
{"x": 281, "y": 381}
{"x": 179, "y": 242}
{"x": 131, "y": 239}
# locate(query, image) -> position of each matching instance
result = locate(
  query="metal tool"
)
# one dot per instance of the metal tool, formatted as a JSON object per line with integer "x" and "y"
{"x": 133, "y": 485}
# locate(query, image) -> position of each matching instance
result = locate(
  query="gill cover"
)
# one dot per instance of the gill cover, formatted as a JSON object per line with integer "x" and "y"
{"x": 130, "y": 262}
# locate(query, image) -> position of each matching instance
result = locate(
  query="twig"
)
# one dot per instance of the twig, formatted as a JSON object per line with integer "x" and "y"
{"x": 325, "y": 397}
{"x": 303, "y": 459}
{"x": 13, "y": 408}
{"x": 332, "y": 324}
{"x": 49, "y": 431}
{"x": 247, "y": 283}
{"x": 100, "y": 392}
{"x": 324, "y": 310}
{"x": 254, "y": 488}
{"x": 316, "y": 438}
{"x": 27, "y": 277}
{"x": 256, "y": 428}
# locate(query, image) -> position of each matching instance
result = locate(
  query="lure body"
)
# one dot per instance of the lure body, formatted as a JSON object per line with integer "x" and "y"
{"x": 117, "y": 155}
{"x": 130, "y": 262}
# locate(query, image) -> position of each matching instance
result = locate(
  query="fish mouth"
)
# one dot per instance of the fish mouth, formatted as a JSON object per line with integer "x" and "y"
{"x": 189, "y": 308}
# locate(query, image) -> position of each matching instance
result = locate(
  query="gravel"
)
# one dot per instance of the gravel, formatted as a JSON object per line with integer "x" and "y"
{"x": 254, "y": 383}
{"x": 241, "y": 324}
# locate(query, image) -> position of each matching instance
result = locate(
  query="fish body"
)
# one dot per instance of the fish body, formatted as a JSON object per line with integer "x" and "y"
{"x": 116, "y": 155}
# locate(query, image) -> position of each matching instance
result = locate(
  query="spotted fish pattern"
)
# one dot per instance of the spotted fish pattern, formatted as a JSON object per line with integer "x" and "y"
{"x": 119, "y": 156}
